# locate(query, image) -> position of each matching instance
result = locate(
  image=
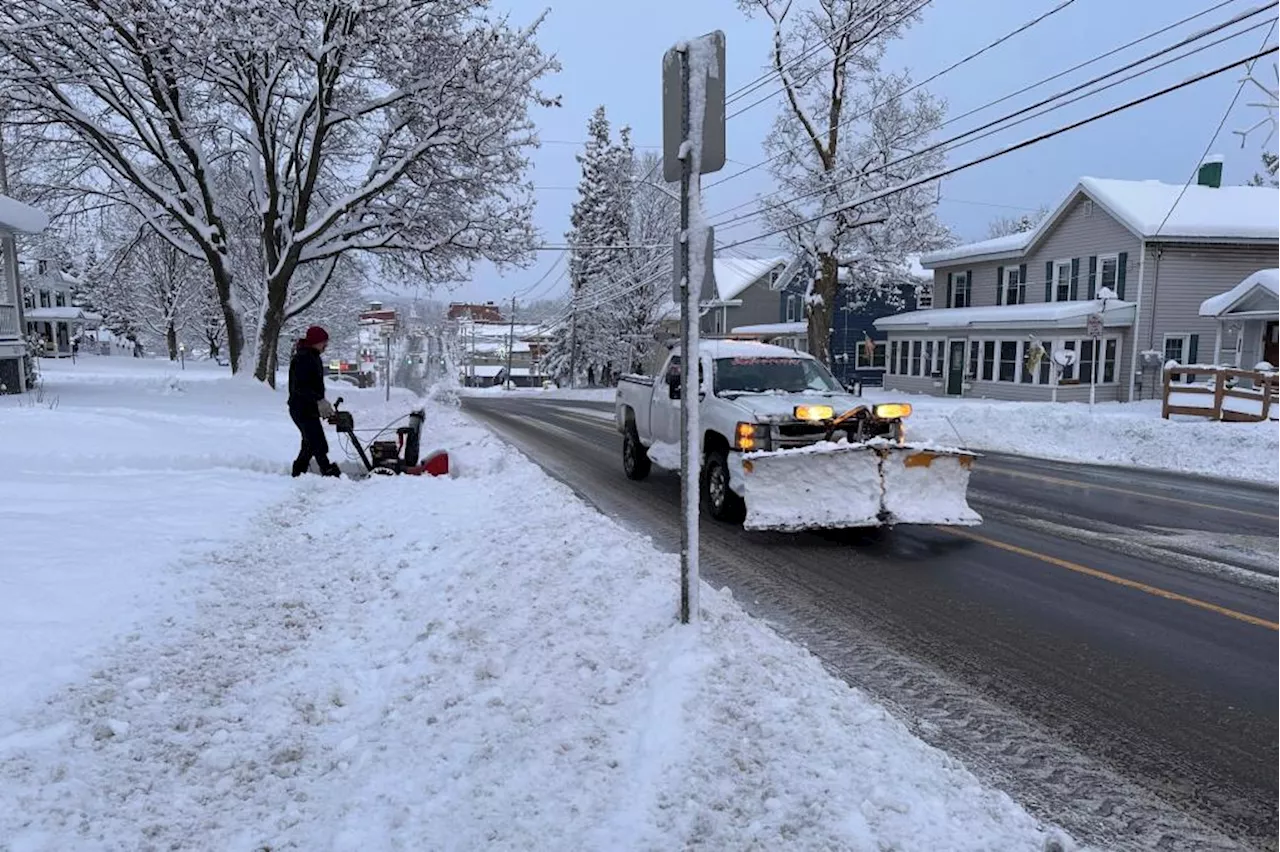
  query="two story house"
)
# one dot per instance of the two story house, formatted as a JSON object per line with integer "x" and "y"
{"x": 50, "y": 310}
{"x": 15, "y": 218}
{"x": 1134, "y": 259}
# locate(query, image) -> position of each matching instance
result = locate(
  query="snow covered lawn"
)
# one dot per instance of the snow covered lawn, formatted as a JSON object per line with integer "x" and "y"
{"x": 211, "y": 655}
{"x": 1111, "y": 433}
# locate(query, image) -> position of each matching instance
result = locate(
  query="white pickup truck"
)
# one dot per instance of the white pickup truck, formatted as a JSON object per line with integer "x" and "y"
{"x": 785, "y": 447}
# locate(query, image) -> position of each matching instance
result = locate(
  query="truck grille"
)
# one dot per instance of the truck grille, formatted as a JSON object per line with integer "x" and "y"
{"x": 790, "y": 435}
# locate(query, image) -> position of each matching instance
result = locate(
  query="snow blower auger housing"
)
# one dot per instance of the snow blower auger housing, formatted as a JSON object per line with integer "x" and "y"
{"x": 392, "y": 457}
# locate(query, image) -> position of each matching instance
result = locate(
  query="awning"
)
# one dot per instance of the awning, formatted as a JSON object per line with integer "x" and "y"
{"x": 1117, "y": 314}
{"x": 63, "y": 314}
{"x": 1256, "y": 296}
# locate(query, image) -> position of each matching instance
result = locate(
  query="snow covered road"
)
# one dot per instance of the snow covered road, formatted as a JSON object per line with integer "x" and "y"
{"x": 478, "y": 662}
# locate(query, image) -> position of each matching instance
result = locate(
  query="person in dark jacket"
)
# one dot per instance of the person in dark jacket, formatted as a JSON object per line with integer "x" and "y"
{"x": 307, "y": 403}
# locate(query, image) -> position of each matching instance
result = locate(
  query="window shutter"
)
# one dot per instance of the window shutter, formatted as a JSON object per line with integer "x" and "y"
{"x": 1048, "y": 280}
{"x": 1193, "y": 349}
{"x": 1121, "y": 263}
{"x": 950, "y": 276}
{"x": 999, "y": 285}
{"x": 1075, "y": 278}
{"x": 1093, "y": 276}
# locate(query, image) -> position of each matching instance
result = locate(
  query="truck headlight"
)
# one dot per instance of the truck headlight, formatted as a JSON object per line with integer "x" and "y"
{"x": 814, "y": 412}
{"x": 751, "y": 436}
{"x": 892, "y": 410}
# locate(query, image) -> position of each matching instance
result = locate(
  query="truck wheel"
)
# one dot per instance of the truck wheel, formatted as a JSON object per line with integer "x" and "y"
{"x": 723, "y": 504}
{"x": 635, "y": 459}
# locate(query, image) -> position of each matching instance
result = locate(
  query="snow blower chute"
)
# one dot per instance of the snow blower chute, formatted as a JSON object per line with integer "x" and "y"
{"x": 880, "y": 481}
{"x": 392, "y": 457}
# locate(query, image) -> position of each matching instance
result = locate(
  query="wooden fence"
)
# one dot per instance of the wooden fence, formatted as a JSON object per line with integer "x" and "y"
{"x": 1220, "y": 393}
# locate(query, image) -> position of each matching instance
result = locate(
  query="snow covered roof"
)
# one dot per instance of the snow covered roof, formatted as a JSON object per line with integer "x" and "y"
{"x": 744, "y": 349}
{"x": 1263, "y": 281}
{"x": 1206, "y": 213}
{"x": 1010, "y": 244}
{"x": 1062, "y": 314}
{"x": 770, "y": 328}
{"x": 68, "y": 313}
{"x": 20, "y": 218}
{"x": 735, "y": 274}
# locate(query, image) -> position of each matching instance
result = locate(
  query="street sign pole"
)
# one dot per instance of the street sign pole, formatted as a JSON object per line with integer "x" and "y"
{"x": 1094, "y": 325}
{"x": 693, "y": 144}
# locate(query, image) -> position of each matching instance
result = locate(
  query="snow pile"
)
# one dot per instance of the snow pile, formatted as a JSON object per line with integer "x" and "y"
{"x": 1114, "y": 433}
{"x": 479, "y": 662}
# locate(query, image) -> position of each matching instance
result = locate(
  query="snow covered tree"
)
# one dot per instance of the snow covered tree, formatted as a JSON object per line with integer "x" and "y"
{"x": 397, "y": 129}
{"x": 847, "y": 129}
{"x": 1267, "y": 177}
{"x": 1002, "y": 226}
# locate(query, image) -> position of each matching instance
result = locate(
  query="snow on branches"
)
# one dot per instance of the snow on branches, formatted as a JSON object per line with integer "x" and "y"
{"x": 842, "y": 122}
{"x": 308, "y": 130}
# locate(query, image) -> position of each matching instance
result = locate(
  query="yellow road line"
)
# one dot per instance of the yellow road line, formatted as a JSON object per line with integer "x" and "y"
{"x": 1112, "y": 578}
{"x": 1146, "y": 494}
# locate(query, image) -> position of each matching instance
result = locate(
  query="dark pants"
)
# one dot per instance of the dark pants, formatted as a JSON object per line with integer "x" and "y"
{"x": 314, "y": 444}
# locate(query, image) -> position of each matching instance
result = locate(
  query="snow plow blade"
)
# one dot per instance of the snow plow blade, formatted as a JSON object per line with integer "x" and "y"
{"x": 837, "y": 486}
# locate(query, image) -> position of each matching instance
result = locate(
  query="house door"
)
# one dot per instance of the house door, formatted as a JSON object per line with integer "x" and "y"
{"x": 1271, "y": 344}
{"x": 955, "y": 367}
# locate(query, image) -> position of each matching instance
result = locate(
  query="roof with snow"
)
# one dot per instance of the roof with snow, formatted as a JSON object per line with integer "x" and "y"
{"x": 1057, "y": 314}
{"x": 1151, "y": 210}
{"x": 19, "y": 218}
{"x": 1257, "y": 294}
{"x": 744, "y": 349}
{"x": 68, "y": 313}
{"x": 735, "y": 274}
{"x": 770, "y": 328}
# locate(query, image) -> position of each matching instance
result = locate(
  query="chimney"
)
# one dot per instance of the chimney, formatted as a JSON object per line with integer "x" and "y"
{"x": 1210, "y": 173}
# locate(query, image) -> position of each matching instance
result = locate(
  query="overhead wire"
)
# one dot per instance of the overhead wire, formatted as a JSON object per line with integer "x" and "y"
{"x": 1004, "y": 122}
{"x": 845, "y": 122}
{"x": 939, "y": 174}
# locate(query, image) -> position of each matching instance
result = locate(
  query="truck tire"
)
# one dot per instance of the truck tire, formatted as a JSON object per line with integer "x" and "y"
{"x": 721, "y": 502}
{"x": 635, "y": 459}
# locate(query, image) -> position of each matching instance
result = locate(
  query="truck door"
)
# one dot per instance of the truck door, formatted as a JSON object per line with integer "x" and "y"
{"x": 665, "y": 413}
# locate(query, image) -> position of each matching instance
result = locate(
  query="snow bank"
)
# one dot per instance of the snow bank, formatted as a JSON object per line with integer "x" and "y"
{"x": 1111, "y": 433}
{"x": 478, "y": 662}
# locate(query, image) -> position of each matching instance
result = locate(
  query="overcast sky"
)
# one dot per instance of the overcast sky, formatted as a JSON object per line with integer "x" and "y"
{"x": 611, "y": 52}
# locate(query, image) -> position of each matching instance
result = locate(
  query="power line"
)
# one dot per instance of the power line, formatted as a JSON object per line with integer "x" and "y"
{"x": 552, "y": 268}
{"x": 1098, "y": 58}
{"x": 938, "y": 175}
{"x": 1003, "y": 123}
{"x": 868, "y": 40}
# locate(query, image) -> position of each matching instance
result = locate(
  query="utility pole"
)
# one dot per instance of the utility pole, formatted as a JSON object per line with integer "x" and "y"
{"x": 686, "y": 156}
{"x": 511, "y": 342}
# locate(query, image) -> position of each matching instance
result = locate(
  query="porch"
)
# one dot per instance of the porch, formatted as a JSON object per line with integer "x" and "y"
{"x": 1248, "y": 317}
{"x": 58, "y": 327}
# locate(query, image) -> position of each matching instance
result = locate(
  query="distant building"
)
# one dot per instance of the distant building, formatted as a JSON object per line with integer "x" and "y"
{"x": 487, "y": 312}
{"x": 50, "y": 312}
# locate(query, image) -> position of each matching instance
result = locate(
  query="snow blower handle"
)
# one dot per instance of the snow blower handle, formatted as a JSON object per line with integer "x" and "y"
{"x": 342, "y": 421}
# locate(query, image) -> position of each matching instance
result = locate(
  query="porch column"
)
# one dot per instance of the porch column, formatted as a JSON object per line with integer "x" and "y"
{"x": 1217, "y": 343}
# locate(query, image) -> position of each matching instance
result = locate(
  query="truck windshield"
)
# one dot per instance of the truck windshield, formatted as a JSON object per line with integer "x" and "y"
{"x": 772, "y": 374}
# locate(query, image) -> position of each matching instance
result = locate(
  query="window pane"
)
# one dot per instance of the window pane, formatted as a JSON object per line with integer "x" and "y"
{"x": 1024, "y": 352}
{"x": 1109, "y": 365}
{"x": 903, "y": 354}
{"x": 1107, "y": 273}
{"x": 939, "y": 356}
{"x": 1046, "y": 362}
{"x": 1070, "y": 372}
{"x": 988, "y": 360}
{"x": 1008, "y": 360}
{"x": 877, "y": 359}
{"x": 928, "y": 358}
{"x": 1173, "y": 349}
{"x": 893, "y": 356}
{"x": 1062, "y": 282}
{"x": 1086, "y": 361}
{"x": 915, "y": 357}
{"x": 975, "y": 352}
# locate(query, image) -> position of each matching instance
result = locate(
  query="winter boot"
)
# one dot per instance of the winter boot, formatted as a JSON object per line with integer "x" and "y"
{"x": 331, "y": 470}
{"x": 300, "y": 467}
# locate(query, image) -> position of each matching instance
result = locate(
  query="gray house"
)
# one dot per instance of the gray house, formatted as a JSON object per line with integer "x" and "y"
{"x": 750, "y": 291}
{"x": 15, "y": 218}
{"x": 1136, "y": 257}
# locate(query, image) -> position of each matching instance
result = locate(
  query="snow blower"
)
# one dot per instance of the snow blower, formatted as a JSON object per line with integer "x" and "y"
{"x": 392, "y": 457}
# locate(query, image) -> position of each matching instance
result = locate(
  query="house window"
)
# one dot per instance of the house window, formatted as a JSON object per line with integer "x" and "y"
{"x": 877, "y": 357}
{"x": 988, "y": 360}
{"x": 939, "y": 354}
{"x": 1109, "y": 360}
{"x": 915, "y": 357}
{"x": 1069, "y": 372}
{"x": 1107, "y": 267}
{"x": 903, "y": 355}
{"x": 44, "y": 299}
{"x": 893, "y": 357}
{"x": 60, "y": 298}
{"x": 1008, "y": 361}
{"x": 1024, "y": 352}
{"x": 1062, "y": 281}
{"x": 1175, "y": 348}
{"x": 42, "y": 266}
{"x": 975, "y": 358}
{"x": 1015, "y": 289}
{"x": 28, "y": 300}
{"x": 1046, "y": 362}
{"x": 791, "y": 308}
{"x": 928, "y": 358}
{"x": 960, "y": 293}
{"x": 1086, "y": 361}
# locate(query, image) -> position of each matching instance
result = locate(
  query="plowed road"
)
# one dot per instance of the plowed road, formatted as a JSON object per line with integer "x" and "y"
{"x": 1103, "y": 647}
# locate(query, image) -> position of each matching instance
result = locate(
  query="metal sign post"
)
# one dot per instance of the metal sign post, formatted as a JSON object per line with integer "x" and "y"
{"x": 693, "y": 141}
{"x": 1093, "y": 326}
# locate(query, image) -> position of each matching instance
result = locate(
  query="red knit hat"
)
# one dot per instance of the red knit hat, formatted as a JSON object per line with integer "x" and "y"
{"x": 314, "y": 336}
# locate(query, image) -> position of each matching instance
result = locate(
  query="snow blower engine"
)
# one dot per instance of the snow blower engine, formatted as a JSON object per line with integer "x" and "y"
{"x": 391, "y": 457}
